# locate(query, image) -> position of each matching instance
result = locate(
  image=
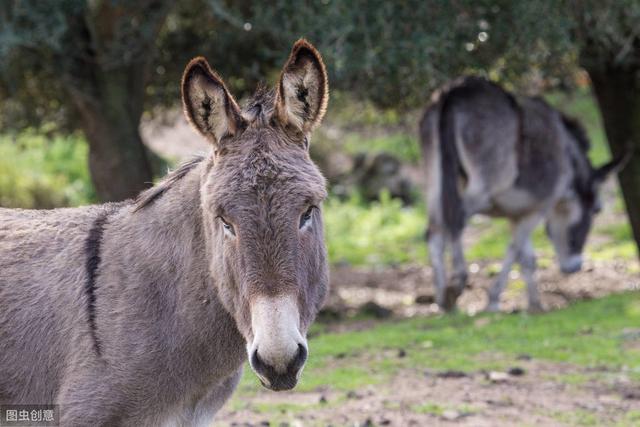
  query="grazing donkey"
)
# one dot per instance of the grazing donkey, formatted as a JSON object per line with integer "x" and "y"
{"x": 142, "y": 313}
{"x": 486, "y": 152}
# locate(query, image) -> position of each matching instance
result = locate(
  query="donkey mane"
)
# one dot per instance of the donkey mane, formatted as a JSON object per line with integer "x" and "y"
{"x": 149, "y": 196}
{"x": 259, "y": 107}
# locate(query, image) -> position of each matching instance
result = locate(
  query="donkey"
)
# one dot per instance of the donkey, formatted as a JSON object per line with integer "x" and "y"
{"x": 141, "y": 313}
{"x": 486, "y": 152}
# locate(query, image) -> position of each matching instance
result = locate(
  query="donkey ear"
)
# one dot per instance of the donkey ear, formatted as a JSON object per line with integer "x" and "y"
{"x": 208, "y": 105}
{"x": 614, "y": 166}
{"x": 303, "y": 89}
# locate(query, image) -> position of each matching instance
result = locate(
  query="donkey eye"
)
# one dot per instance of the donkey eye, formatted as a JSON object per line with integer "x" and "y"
{"x": 228, "y": 228}
{"x": 306, "y": 217}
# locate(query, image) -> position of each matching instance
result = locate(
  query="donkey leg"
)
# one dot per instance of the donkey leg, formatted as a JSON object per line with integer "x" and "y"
{"x": 521, "y": 232}
{"x": 503, "y": 277}
{"x": 436, "y": 242}
{"x": 460, "y": 276}
{"x": 528, "y": 264}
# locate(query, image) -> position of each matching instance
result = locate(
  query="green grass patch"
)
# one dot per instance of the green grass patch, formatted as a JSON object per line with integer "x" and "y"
{"x": 439, "y": 410}
{"x": 631, "y": 418}
{"x": 429, "y": 408}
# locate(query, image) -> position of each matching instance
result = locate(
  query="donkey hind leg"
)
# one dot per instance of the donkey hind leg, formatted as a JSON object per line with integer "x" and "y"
{"x": 460, "y": 275}
{"x": 528, "y": 265}
{"x": 522, "y": 229}
{"x": 436, "y": 241}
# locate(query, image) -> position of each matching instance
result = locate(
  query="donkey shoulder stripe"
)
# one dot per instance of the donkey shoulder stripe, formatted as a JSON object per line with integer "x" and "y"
{"x": 92, "y": 247}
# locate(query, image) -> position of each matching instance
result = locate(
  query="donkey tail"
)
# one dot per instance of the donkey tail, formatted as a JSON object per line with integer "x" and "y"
{"x": 453, "y": 215}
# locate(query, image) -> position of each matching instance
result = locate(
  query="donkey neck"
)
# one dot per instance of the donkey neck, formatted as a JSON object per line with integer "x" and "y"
{"x": 155, "y": 274}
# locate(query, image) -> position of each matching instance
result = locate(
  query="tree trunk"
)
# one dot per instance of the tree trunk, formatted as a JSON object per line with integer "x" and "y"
{"x": 106, "y": 64}
{"x": 110, "y": 118}
{"x": 618, "y": 93}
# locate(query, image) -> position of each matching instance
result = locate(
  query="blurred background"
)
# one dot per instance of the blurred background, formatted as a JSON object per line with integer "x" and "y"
{"x": 90, "y": 112}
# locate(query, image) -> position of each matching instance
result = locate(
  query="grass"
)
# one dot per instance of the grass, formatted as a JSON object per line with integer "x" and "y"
{"x": 587, "y": 334}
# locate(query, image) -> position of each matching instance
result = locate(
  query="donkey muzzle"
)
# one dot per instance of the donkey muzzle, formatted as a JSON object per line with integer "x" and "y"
{"x": 275, "y": 380}
{"x": 278, "y": 350}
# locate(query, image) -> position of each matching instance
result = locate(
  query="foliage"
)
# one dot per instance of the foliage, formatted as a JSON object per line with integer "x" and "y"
{"x": 606, "y": 32}
{"x": 42, "y": 173}
{"x": 396, "y": 53}
{"x": 379, "y": 233}
{"x": 49, "y": 50}
{"x": 404, "y": 147}
{"x": 393, "y": 54}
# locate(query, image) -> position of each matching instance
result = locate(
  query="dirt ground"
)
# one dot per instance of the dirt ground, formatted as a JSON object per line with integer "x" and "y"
{"x": 408, "y": 291}
{"x": 534, "y": 398}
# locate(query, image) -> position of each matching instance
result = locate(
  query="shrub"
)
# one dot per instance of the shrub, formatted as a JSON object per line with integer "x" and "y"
{"x": 38, "y": 172}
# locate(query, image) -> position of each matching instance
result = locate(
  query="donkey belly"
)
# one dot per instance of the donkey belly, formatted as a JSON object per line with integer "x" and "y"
{"x": 513, "y": 203}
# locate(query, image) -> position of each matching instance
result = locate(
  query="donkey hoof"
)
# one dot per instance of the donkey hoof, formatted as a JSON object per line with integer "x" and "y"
{"x": 535, "y": 308}
{"x": 460, "y": 281}
{"x": 451, "y": 295}
{"x": 492, "y": 307}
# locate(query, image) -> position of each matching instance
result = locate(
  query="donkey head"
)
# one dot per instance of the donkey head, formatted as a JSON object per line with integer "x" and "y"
{"x": 570, "y": 220}
{"x": 261, "y": 201}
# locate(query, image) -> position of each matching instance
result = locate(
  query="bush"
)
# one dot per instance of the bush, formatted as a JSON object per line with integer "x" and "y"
{"x": 38, "y": 172}
{"x": 381, "y": 232}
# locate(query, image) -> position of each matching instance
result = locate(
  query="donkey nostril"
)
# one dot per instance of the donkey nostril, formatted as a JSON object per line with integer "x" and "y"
{"x": 257, "y": 363}
{"x": 298, "y": 362}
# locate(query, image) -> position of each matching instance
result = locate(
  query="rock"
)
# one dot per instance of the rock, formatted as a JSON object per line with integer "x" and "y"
{"x": 425, "y": 299}
{"x": 451, "y": 415}
{"x": 497, "y": 377}
{"x": 323, "y": 399}
{"x": 631, "y": 395}
{"x": 402, "y": 353}
{"x": 353, "y": 395}
{"x": 373, "y": 309}
{"x": 373, "y": 173}
{"x": 516, "y": 371}
{"x": 367, "y": 423}
{"x": 452, "y": 374}
{"x": 332, "y": 313}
